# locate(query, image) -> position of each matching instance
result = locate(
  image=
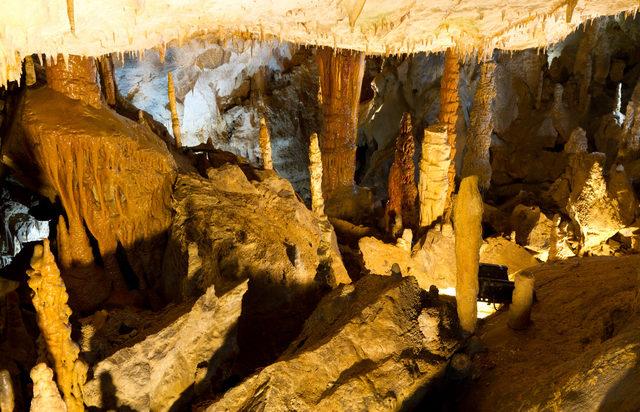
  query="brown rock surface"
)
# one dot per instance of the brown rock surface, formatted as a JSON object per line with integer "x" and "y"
{"x": 376, "y": 330}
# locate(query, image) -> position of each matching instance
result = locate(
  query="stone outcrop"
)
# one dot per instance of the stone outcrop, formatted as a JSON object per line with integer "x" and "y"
{"x": 112, "y": 176}
{"x": 376, "y": 330}
{"x": 155, "y": 372}
{"x": 341, "y": 75}
{"x": 401, "y": 206}
{"x": 436, "y": 178}
{"x": 50, "y": 303}
{"x": 467, "y": 221}
{"x": 244, "y": 223}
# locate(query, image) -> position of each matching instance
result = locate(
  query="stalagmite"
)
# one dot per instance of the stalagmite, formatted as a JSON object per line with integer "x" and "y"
{"x": 315, "y": 173}
{"x": 77, "y": 79}
{"x": 341, "y": 76}
{"x": 30, "y": 71}
{"x": 175, "y": 122}
{"x": 402, "y": 186}
{"x": 45, "y": 393}
{"x": 265, "y": 145}
{"x": 467, "y": 220}
{"x": 448, "y": 116}
{"x": 435, "y": 174}
{"x": 107, "y": 79}
{"x": 7, "y": 400}
{"x": 577, "y": 142}
{"x": 521, "y": 302}
{"x": 50, "y": 303}
{"x": 476, "y": 160}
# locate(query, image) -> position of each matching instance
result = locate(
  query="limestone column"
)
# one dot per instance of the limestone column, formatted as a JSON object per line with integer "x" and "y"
{"x": 467, "y": 220}
{"x": 315, "y": 174}
{"x": 341, "y": 74}
{"x": 175, "y": 121}
{"x": 521, "y": 302}
{"x": 448, "y": 116}
{"x": 476, "y": 160}
{"x": 107, "y": 79}
{"x": 77, "y": 78}
{"x": 265, "y": 145}
{"x": 435, "y": 174}
{"x": 402, "y": 186}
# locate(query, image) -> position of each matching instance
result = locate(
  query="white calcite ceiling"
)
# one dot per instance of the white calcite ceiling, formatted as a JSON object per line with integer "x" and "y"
{"x": 374, "y": 26}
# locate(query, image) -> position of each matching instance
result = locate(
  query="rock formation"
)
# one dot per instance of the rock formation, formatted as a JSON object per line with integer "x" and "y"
{"x": 154, "y": 373}
{"x": 373, "y": 329}
{"x": 476, "y": 160}
{"x": 107, "y": 79}
{"x": 521, "y": 302}
{"x": 448, "y": 116}
{"x": 265, "y": 145}
{"x": 340, "y": 82}
{"x": 112, "y": 176}
{"x": 436, "y": 177}
{"x": 45, "y": 393}
{"x": 76, "y": 77}
{"x": 7, "y": 397}
{"x": 467, "y": 220}
{"x": 175, "y": 121}
{"x": 401, "y": 206}
{"x": 315, "y": 174}
{"x": 232, "y": 226}
{"x": 50, "y": 302}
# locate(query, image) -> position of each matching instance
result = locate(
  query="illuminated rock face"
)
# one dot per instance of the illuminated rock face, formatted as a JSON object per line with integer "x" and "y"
{"x": 373, "y": 329}
{"x": 376, "y": 26}
{"x": 112, "y": 176}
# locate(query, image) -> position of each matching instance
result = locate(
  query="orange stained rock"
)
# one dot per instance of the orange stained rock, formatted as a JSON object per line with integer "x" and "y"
{"x": 341, "y": 74}
{"x": 52, "y": 312}
{"x": 75, "y": 77}
{"x": 448, "y": 116}
{"x": 402, "y": 186}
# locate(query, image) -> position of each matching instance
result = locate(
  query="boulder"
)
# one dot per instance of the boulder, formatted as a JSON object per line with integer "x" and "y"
{"x": 533, "y": 229}
{"x": 241, "y": 223}
{"x": 375, "y": 330}
{"x": 154, "y": 373}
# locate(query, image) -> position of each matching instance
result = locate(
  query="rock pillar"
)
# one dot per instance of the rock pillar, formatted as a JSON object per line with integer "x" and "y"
{"x": 520, "y": 308}
{"x": 448, "y": 116}
{"x": 341, "y": 75}
{"x": 467, "y": 220}
{"x": 435, "y": 174}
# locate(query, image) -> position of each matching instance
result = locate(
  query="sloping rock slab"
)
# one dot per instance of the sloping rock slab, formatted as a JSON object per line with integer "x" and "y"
{"x": 371, "y": 345}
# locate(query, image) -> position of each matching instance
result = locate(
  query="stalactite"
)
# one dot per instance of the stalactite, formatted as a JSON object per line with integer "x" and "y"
{"x": 71, "y": 16}
{"x": 467, "y": 221}
{"x": 448, "y": 116}
{"x": 30, "y": 71}
{"x": 434, "y": 174}
{"x": 50, "y": 303}
{"x": 265, "y": 145}
{"x": 477, "y": 160}
{"x": 77, "y": 79}
{"x": 175, "y": 122}
{"x": 315, "y": 174}
{"x": 45, "y": 393}
{"x": 341, "y": 74}
{"x": 402, "y": 187}
{"x": 107, "y": 79}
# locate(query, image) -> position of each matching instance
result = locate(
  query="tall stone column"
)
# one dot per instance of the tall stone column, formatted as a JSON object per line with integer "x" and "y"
{"x": 341, "y": 73}
{"x": 448, "y": 116}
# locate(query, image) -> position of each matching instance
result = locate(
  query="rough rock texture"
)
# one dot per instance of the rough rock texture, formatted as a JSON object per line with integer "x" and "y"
{"x": 376, "y": 330}
{"x": 580, "y": 353}
{"x": 401, "y": 206}
{"x": 265, "y": 145}
{"x": 436, "y": 178}
{"x": 340, "y": 75}
{"x": 50, "y": 303}
{"x": 533, "y": 229}
{"x": 154, "y": 373}
{"x": 75, "y": 77}
{"x": 449, "y": 106}
{"x": 476, "y": 160}
{"x": 230, "y": 227}
{"x": 467, "y": 221}
{"x": 45, "y": 393}
{"x": 372, "y": 26}
{"x": 315, "y": 176}
{"x": 125, "y": 174}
